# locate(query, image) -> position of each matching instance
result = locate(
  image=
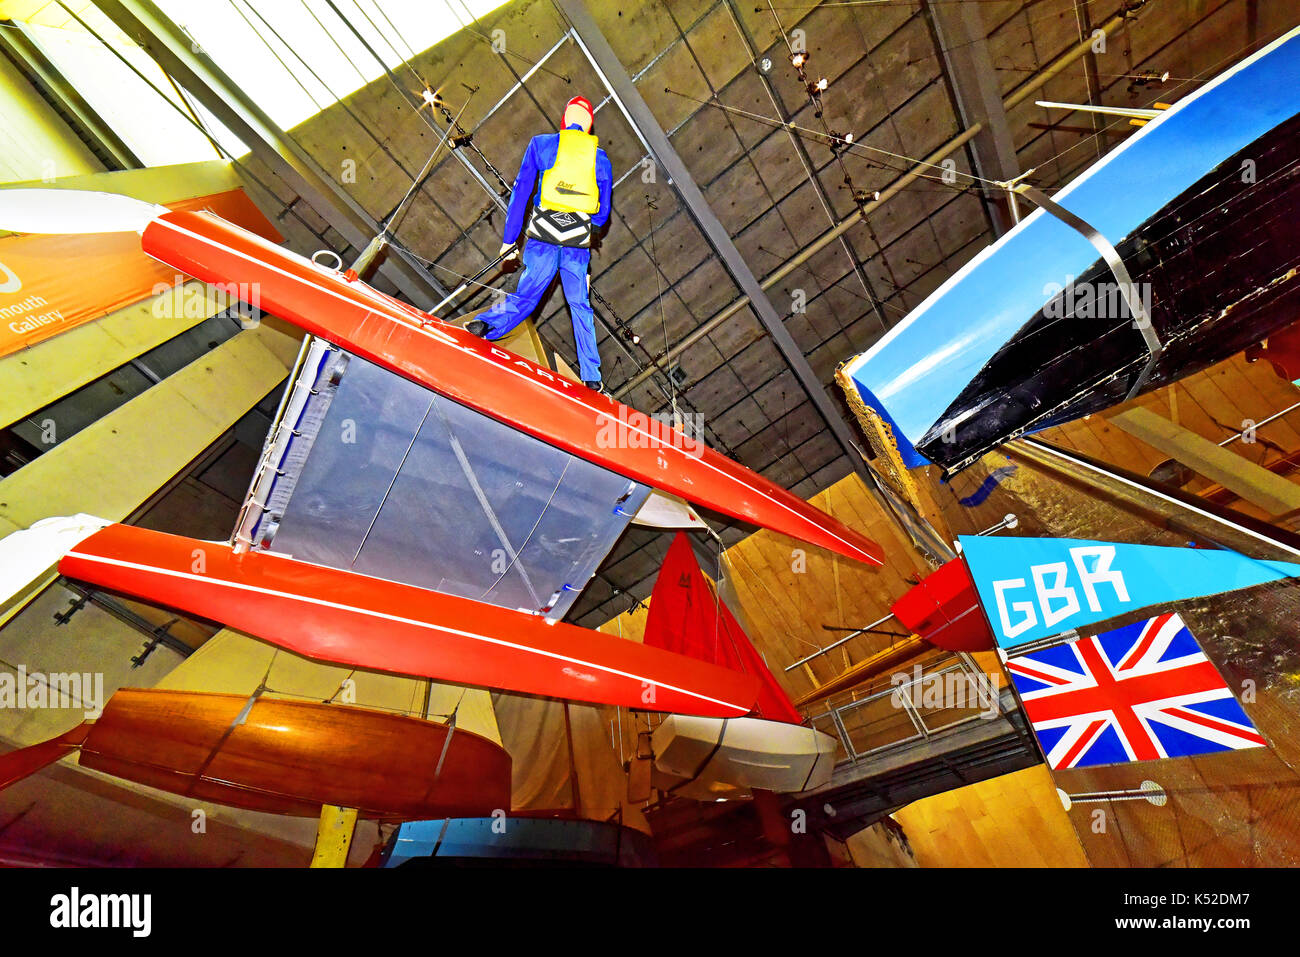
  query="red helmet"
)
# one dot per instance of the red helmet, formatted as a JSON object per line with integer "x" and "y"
{"x": 578, "y": 110}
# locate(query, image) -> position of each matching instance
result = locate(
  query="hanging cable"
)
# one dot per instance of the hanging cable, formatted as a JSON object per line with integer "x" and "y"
{"x": 659, "y": 299}
{"x": 504, "y": 51}
{"x": 216, "y": 144}
{"x": 394, "y": 218}
{"x": 365, "y": 127}
{"x": 854, "y": 147}
{"x": 316, "y": 103}
{"x": 404, "y": 61}
{"x": 338, "y": 46}
{"x": 430, "y": 97}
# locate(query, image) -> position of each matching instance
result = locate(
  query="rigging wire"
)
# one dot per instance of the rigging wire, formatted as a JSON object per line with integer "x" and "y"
{"x": 404, "y": 61}
{"x": 216, "y": 144}
{"x": 1162, "y": 94}
{"x": 462, "y": 138}
{"x": 840, "y": 145}
{"x": 659, "y": 299}
{"x": 855, "y": 146}
{"x": 316, "y": 103}
{"x": 505, "y": 49}
{"x": 401, "y": 37}
{"x": 360, "y": 121}
{"x": 416, "y": 180}
{"x": 338, "y": 46}
{"x": 805, "y": 160}
{"x": 394, "y": 219}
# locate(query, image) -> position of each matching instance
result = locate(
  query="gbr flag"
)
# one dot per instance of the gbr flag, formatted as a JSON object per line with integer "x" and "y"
{"x": 1033, "y": 588}
{"x": 1137, "y": 693}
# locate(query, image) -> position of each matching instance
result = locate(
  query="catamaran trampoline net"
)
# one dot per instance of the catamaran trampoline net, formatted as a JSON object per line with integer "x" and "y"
{"x": 386, "y": 478}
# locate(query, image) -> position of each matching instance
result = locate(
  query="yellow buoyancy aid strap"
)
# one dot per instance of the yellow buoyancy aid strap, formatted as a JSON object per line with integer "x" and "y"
{"x": 570, "y": 185}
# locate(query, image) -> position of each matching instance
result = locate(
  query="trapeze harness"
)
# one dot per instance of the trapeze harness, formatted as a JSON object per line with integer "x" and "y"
{"x": 570, "y": 195}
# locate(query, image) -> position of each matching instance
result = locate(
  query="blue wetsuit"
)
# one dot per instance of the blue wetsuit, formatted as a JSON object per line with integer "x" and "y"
{"x": 541, "y": 260}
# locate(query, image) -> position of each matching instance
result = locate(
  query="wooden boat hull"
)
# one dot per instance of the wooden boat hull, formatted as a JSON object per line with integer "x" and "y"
{"x": 478, "y": 374}
{"x": 1201, "y": 203}
{"x": 25, "y": 762}
{"x": 345, "y": 618}
{"x": 291, "y": 757}
{"x": 748, "y": 753}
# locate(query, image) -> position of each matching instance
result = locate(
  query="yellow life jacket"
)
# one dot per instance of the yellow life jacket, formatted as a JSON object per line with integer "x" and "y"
{"x": 570, "y": 185}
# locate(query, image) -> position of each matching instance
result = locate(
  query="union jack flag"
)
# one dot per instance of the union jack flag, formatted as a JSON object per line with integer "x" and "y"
{"x": 1137, "y": 693}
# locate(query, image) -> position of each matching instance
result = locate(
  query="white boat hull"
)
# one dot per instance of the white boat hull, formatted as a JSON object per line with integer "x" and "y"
{"x": 29, "y": 556}
{"x": 742, "y": 753}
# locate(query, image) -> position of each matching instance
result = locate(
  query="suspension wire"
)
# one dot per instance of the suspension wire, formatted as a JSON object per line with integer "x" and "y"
{"x": 1155, "y": 76}
{"x": 466, "y": 138}
{"x": 840, "y": 145}
{"x": 338, "y": 46}
{"x": 216, "y": 144}
{"x": 659, "y": 298}
{"x": 806, "y": 162}
{"x": 828, "y": 283}
{"x": 505, "y": 50}
{"x": 837, "y": 143}
{"x": 396, "y": 32}
{"x": 389, "y": 709}
{"x": 1123, "y": 121}
{"x": 1127, "y": 9}
{"x": 809, "y": 8}
{"x": 416, "y": 180}
{"x": 462, "y": 138}
{"x": 394, "y": 219}
{"x": 406, "y": 62}
{"x": 266, "y": 43}
{"x": 365, "y": 127}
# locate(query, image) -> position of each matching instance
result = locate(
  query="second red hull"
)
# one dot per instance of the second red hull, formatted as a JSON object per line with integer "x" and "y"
{"x": 349, "y": 619}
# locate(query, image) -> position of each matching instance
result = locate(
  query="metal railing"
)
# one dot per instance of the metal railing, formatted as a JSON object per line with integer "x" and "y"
{"x": 907, "y": 711}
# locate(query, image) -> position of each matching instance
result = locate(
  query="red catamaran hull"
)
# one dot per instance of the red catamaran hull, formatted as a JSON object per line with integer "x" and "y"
{"x": 350, "y": 619}
{"x": 482, "y": 376}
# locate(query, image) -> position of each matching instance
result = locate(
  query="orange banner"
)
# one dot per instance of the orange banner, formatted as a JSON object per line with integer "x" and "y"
{"x": 51, "y": 283}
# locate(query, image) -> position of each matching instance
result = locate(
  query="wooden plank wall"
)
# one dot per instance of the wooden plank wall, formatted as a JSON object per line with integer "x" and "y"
{"x": 1014, "y": 820}
{"x": 1214, "y": 404}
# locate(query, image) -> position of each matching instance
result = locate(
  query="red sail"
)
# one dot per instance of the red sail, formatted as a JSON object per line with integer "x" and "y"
{"x": 688, "y": 618}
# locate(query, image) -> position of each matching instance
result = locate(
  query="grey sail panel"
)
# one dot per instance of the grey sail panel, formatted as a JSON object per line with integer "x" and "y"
{"x": 404, "y": 484}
